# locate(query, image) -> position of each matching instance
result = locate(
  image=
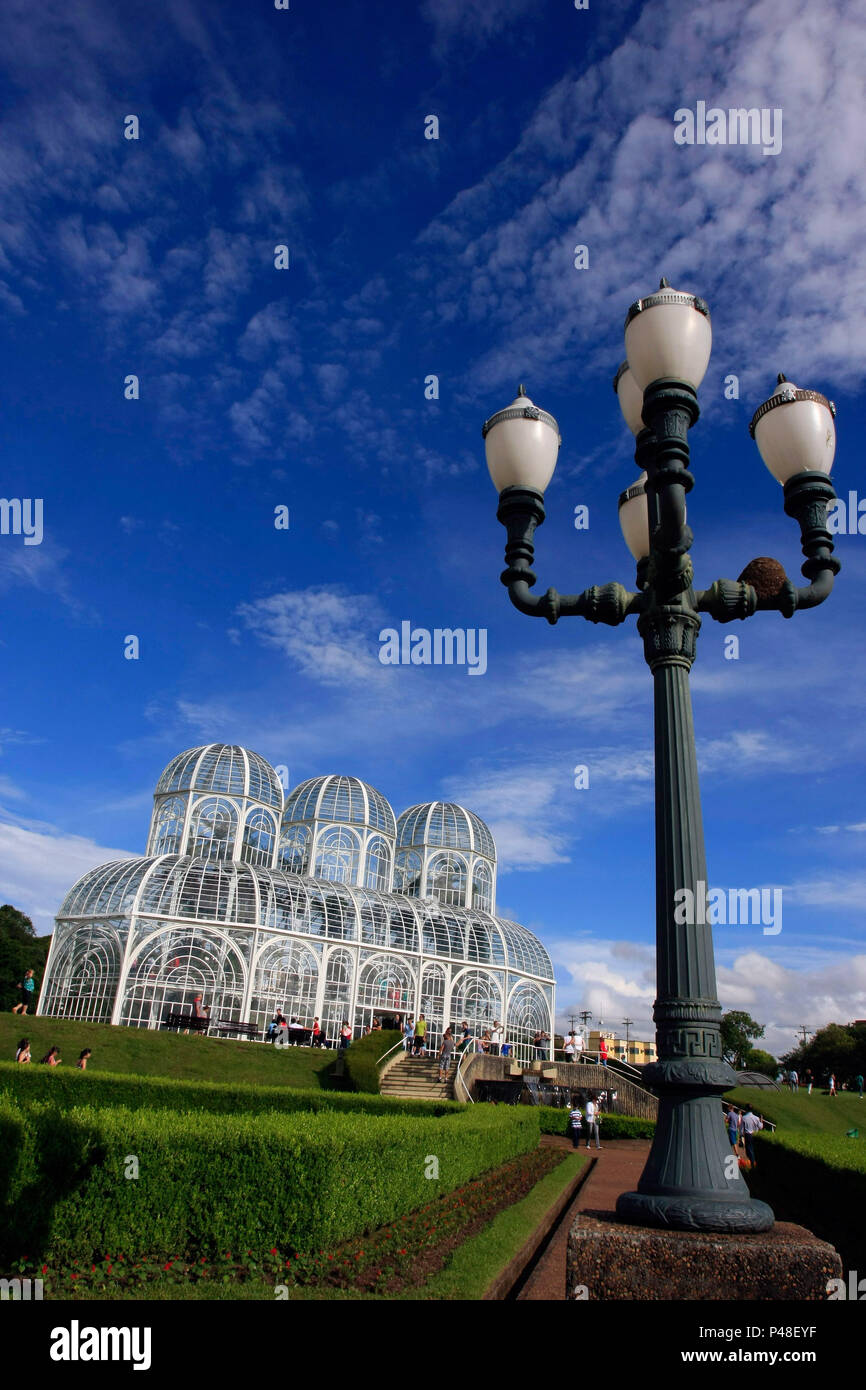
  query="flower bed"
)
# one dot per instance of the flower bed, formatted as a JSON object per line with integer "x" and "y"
{"x": 393, "y": 1260}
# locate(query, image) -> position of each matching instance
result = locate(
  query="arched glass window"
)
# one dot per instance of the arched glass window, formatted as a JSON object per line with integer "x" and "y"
{"x": 295, "y": 850}
{"x": 337, "y": 855}
{"x": 477, "y": 998}
{"x": 378, "y": 873}
{"x": 482, "y": 888}
{"x": 528, "y": 1014}
{"x": 286, "y": 976}
{"x": 259, "y": 836}
{"x": 168, "y": 830}
{"x": 407, "y": 874}
{"x": 447, "y": 879}
{"x": 337, "y": 1004}
{"x": 212, "y": 832}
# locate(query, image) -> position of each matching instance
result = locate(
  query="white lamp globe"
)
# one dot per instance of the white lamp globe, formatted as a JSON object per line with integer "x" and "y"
{"x": 630, "y": 398}
{"x": 634, "y": 518}
{"x": 795, "y": 431}
{"x": 522, "y": 444}
{"x": 668, "y": 334}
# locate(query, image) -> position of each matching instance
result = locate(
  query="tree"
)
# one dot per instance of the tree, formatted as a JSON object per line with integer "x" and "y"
{"x": 738, "y": 1029}
{"x": 756, "y": 1060}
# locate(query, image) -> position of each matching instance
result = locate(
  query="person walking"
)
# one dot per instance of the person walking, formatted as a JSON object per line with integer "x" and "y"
{"x": 496, "y": 1038}
{"x": 83, "y": 1058}
{"x": 832, "y": 1083}
{"x": 858, "y": 1082}
{"x": 420, "y": 1036}
{"x": 569, "y": 1048}
{"x": 345, "y": 1034}
{"x": 575, "y": 1125}
{"x": 408, "y": 1035}
{"x": 592, "y": 1122}
{"x": 446, "y": 1054}
{"x": 794, "y": 1080}
{"x": 733, "y": 1122}
{"x": 316, "y": 1039}
{"x": 27, "y": 986}
{"x": 602, "y": 1052}
{"x": 809, "y": 1080}
{"x": 751, "y": 1123}
{"x": 52, "y": 1058}
{"x": 22, "y": 1053}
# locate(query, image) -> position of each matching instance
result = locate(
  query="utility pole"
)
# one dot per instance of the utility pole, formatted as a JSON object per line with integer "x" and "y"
{"x": 627, "y": 1023}
{"x": 806, "y": 1031}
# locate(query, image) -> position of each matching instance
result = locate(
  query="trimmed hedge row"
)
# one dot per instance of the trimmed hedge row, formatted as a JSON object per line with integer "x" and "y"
{"x": 217, "y": 1183}
{"x": 362, "y": 1058}
{"x": 555, "y": 1121}
{"x": 71, "y": 1087}
{"x": 818, "y": 1181}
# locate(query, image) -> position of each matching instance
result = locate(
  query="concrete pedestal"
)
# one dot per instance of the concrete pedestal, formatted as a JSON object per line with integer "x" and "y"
{"x": 613, "y": 1261}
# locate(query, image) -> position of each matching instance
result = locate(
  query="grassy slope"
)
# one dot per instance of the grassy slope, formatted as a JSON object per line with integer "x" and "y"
{"x": 803, "y": 1114}
{"x": 158, "y": 1053}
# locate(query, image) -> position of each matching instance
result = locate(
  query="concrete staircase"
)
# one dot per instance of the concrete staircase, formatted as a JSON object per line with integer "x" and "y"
{"x": 417, "y": 1077}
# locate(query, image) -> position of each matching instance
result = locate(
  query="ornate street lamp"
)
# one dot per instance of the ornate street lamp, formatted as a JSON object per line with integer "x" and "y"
{"x": 685, "y": 1184}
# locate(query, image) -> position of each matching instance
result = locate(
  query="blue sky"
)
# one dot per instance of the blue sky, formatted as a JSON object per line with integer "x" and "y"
{"x": 305, "y": 388}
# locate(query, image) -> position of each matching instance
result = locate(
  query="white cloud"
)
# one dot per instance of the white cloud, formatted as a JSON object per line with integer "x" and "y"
{"x": 39, "y": 864}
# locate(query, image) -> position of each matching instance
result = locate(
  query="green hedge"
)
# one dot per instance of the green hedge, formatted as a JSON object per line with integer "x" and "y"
{"x": 211, "y": 1184}
{"x": 554, "y": 1121}
{"x": 818, "y": 1181}
{"x": 68, "y": 1087}
{"x": 362, "y": 1058}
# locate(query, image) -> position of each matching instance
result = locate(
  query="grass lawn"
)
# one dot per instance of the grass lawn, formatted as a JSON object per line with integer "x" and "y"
{"x": 151, "y": 1052}
{"x": 803, "y": 1114}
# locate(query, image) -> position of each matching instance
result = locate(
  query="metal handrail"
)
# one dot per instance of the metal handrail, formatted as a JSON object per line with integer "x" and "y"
{"x": 401, "y": 1043}
{"x": 457, "y": 1077}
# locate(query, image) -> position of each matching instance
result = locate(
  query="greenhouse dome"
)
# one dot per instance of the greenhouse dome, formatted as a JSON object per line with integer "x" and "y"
{"x": 446, "y": 852}
{"x": 138, "y": 939}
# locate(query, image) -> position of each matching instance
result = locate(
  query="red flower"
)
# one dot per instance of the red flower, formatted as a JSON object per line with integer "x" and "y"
{"x": 274, "y": 1251}
{"x": 44, "y": 1269}
{"x": 402, "y": 1252}
{"x": 168, "y": 1266}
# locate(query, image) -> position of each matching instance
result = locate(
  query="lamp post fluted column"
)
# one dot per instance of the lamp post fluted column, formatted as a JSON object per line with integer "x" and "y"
{"x": 692, "y": 1180}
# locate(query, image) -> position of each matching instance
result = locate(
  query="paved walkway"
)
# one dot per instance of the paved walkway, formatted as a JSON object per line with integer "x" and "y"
{"x": 619, "y": 1164}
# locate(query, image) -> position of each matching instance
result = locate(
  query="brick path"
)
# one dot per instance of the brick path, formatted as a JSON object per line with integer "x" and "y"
{"x": 619, "y": 1164}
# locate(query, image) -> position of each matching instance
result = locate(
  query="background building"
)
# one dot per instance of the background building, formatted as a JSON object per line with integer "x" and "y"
{"x": 320, "y": 903}
{"x": 637, "y": 1054}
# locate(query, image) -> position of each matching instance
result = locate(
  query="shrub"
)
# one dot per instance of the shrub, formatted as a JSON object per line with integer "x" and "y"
{"x": 228, "y": 1183}
{"x": 819, "y": 1181}
{"x": 70, "y": 1087}
{"x": 554, "y": 1121}
{"x": 362, "y": 1058}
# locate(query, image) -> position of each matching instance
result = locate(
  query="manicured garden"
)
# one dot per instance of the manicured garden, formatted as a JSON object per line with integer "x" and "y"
{"x": 124, "y": 1186}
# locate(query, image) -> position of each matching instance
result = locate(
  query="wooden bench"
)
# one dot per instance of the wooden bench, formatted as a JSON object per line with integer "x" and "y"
{"x": 189, "y": 1021}
{"x": 244, "y": 1030}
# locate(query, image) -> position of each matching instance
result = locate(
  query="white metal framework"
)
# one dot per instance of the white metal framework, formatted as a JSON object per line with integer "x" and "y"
{"x": 396, "y": 917}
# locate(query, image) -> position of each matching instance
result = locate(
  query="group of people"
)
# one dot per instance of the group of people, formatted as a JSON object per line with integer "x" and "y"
{"x": 792, "y": 1078}
{"x": 742, "y": 1126}
{"x": 291, "y": 1032}
{"x": 52, "y": 1057}
{"x": 585, "y": 1121}
{"x": 489, "y": 1040}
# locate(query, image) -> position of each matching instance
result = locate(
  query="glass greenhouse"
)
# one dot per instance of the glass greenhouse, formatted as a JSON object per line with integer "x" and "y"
{"x": 320, "y": 903}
